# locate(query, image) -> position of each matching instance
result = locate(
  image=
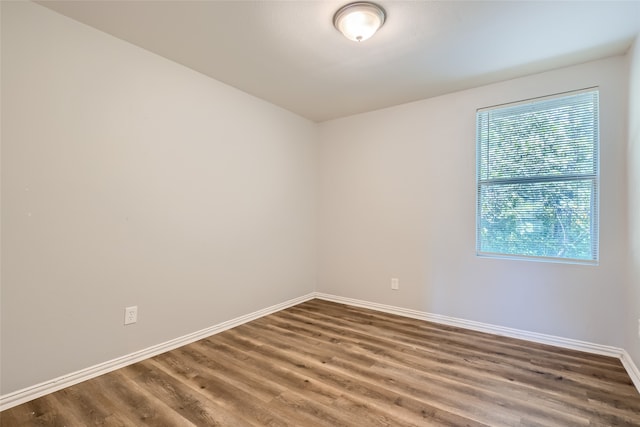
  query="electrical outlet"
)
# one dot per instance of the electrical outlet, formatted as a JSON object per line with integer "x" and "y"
{"x": 395, "y": 284}
{"x": 130, "y": 315}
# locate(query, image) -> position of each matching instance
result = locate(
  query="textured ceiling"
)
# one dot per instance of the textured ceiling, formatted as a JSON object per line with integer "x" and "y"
{"x": 289, "y": 53}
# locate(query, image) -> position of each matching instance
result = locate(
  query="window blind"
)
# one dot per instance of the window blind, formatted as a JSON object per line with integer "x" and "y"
{"x": 537, "y": 178}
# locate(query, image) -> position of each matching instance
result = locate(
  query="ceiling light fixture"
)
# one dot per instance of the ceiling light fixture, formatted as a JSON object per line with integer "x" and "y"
{"x": 359, "y": 21}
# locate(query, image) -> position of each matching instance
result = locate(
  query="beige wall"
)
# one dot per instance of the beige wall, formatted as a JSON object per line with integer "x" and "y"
{"x": 397, "y": 199}
{"x": 633, "y": 297}
{"x": 130, "y": 180}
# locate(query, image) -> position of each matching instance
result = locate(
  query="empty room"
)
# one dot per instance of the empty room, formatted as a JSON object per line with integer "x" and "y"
{"x": 320, "y": 213}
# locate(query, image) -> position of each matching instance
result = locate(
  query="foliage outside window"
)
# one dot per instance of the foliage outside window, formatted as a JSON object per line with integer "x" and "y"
{"x": 537, "y": 179}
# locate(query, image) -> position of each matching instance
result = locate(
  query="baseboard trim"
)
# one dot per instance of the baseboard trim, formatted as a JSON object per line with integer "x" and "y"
{"x": 21, "y": 396}
{"x": 568, "y": 343}
{"x": 631, "y": 368}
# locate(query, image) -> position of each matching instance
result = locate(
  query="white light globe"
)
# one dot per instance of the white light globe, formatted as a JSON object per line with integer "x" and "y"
{"x": 359, "y": 21}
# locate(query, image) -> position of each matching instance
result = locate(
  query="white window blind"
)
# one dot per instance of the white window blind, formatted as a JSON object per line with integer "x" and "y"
{"x": 537, "y": 178}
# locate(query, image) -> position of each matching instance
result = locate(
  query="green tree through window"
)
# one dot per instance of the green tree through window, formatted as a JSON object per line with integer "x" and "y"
{"x": 537, "y": 178}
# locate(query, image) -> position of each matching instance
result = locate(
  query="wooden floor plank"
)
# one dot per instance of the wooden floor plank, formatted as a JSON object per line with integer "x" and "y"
{"x": 485, "y": 384}
{"x": 327, "y": 364}
{"x": 123, "y": 395}
{"x": 452, "y": 394}
{"x": 181, "y": 398}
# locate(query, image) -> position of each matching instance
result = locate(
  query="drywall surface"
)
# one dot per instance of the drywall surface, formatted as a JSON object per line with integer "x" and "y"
{"x": 397, "y": 199}
{"x": 633, "y": 299}
{"x": 130, "y": 180}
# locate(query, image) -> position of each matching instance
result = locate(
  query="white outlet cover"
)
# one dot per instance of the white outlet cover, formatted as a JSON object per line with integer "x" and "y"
{"x": 130, "y": 315}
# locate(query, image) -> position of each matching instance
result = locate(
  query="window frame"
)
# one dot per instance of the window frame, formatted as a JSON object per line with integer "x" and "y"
{"x": 593, "y": 177}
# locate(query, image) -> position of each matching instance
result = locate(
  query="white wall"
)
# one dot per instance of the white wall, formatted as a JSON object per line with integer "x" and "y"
{"x": 633, "y": 298}
{"x": 130, "y": 180}
{"x": 397, "y": 199}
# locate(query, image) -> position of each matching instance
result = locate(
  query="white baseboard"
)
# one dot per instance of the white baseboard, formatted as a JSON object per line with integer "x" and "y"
{"x": 21, "y": 396}
{"x": 631, "y": 368}
{"x": 572, "y": 344}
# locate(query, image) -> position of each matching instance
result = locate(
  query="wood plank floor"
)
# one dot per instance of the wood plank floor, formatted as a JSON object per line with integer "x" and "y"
{"x": 326, "y": 364}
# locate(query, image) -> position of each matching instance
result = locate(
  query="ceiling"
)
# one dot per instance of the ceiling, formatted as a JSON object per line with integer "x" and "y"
{"x": 289, "y": 53}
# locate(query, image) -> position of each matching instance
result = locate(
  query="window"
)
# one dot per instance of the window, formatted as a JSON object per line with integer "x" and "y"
{"x": 537, "y": 179}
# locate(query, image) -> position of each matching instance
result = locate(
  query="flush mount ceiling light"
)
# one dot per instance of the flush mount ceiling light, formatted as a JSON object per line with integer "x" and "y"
{"x": 358, "y": 21}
